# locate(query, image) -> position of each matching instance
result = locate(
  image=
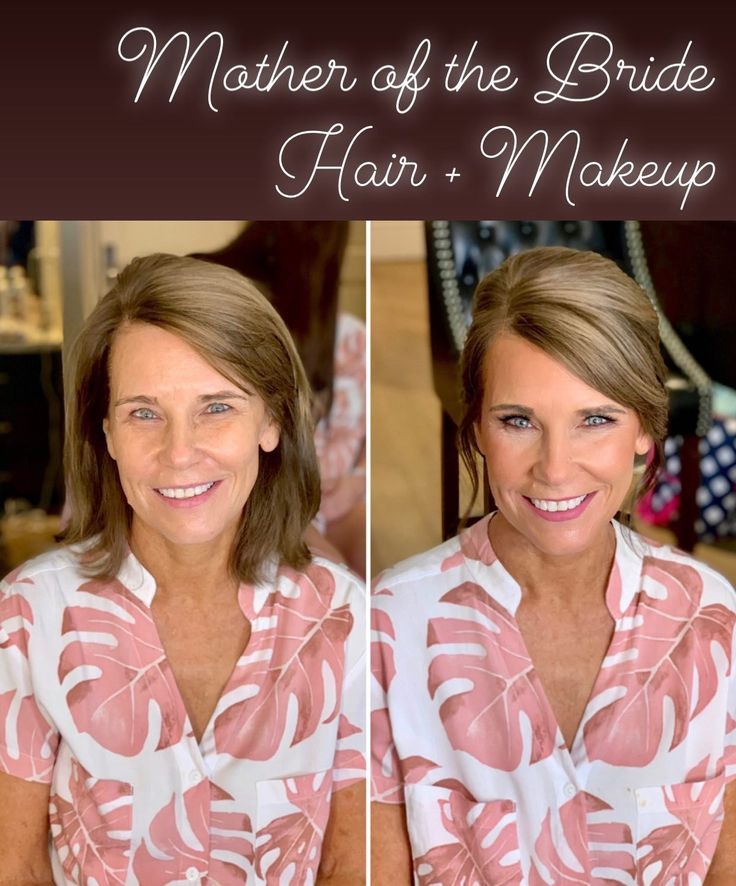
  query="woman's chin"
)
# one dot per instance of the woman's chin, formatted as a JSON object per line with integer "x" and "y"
{"x": 558, "y": 533}
{"x": 185, "y": 536}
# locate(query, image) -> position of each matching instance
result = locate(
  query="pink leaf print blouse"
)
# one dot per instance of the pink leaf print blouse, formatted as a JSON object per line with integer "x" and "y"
{"x": 463, "y": 734}
{"x": 89, "y": 705}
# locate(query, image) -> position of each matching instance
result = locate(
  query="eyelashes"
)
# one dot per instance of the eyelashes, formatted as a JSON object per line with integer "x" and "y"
{"x": 146, "y": 414}
{"x": 521, "y": 422}
{"x": 143, "y": 413}
{"x": 517, "y": 422}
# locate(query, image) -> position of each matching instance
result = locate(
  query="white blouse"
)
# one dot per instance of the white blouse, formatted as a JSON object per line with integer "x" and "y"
{"x": 464, "y": 735}
{"x": 89, "y": 705}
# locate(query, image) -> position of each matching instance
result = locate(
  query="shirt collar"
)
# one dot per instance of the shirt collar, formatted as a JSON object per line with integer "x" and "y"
{"x": 625, "y": 578}
{"x": 489, "y": 572}
{"x": 485, "y": 566}
{"x": 138, "y": 580}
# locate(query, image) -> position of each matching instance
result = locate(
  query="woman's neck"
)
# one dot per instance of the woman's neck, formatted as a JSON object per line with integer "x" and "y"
{"x": 197, "y": 572}
{"x": 571, "y": 579}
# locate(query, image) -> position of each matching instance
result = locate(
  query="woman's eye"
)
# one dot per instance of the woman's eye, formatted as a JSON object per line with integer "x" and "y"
{"x": 217, "y": 408}
{"x": 595, "y": 421}
{"x": 144, "y": 413}
{"x": 517, "y": 421}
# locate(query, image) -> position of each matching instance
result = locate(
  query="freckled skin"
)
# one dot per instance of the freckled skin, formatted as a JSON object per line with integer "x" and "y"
{"x": 547, "y": 435}
{"x": 164, "y": 430}
{"x": 170, "y": 437}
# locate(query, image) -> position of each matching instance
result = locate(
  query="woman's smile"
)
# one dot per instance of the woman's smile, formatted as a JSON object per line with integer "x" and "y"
{"x": 185, "y": 491}
{"x": 188, "y": 496}
{"x": 561, "y": 509}
{"x": 185, "y": 438}
{"x": 559, "y": 454}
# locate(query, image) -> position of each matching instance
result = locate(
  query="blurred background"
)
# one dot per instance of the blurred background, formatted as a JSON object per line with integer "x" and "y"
{"x": 51, "y": 275}
{"x": 422, "y": 278}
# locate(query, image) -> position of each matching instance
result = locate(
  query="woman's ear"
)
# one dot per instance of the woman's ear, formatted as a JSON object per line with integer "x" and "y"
{"x": 270, "y": 435}
{"x": 644, "y": 443}
{"x": 478, "y": 439}
{"x": 108, "y": 437}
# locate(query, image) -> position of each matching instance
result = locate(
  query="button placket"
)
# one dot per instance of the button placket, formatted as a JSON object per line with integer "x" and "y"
{"x": 195, "y": 783}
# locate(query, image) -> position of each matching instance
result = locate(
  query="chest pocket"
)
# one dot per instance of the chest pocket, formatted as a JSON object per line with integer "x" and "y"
{"x": 291, "y": 820}
{"x": 677, "y": 830}
{"x": 452, "y": 833}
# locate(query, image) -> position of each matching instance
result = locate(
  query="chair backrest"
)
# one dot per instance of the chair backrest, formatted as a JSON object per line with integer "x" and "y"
{"x": 691, "y": 268}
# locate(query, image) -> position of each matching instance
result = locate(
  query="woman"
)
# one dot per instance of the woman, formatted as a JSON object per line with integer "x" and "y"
{"x": 181, "y": 684}
{"x": 554, "y": 695}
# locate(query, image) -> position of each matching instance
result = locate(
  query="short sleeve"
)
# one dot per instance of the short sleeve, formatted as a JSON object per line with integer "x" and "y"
{"x": 28, "y": 741}
{"x": 349, "y": 765}
{"x": 386, "y": 781}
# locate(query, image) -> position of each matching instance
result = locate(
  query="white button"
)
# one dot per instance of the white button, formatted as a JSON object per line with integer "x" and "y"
{"x": 192, "y": 874}
{"x": 569, "y": 790}
{"x": 642, "y": 802}
{"x": 195, "y": 776}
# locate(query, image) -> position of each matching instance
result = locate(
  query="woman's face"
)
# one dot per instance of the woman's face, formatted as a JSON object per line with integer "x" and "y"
{"x": 185, "y": 438}
{"x": 559, "y": 454}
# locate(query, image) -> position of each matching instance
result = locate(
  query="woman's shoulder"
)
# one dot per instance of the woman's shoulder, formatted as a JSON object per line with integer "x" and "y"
{"x": 340, "y": 573}
{"x": 442, "y": 564}
{"x": 328, "y": 576}
{"x": 418, "y": 567}
{"x": 659, "y": 557}
{"x": 58, "y": 564}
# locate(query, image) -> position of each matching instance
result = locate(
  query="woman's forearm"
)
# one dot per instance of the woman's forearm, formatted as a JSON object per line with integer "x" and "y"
{"x": 26, "y": 880}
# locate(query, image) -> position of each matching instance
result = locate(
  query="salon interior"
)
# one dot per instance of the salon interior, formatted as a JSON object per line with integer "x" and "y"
{"x": 51, "y": 275}
{"x": 422, "y": 278}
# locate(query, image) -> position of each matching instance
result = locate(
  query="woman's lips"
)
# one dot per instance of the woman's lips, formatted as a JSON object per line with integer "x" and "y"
{"x": 187, "y": 496}
{"x": 556, "y": 510}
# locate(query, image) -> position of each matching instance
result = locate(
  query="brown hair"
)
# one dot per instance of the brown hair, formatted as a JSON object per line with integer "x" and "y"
{"x": 585, "y": 312}
{"x": 228, "y": 322}
{"x": 297, "y": 266}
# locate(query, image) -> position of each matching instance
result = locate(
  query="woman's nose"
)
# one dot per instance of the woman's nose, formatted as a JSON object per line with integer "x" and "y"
{"x": 554, "y": 461}
{"x": 179, "y": 444}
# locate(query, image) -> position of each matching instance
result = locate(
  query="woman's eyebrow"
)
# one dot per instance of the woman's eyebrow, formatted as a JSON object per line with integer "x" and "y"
{"x": 225, "y": 395}
{"x": 136, "y": 398}
{"x": 609, "y": 408}
{"x": 606, "y": 407}
{"x": 517, "y": 407}
{"x": 204, "y": 398}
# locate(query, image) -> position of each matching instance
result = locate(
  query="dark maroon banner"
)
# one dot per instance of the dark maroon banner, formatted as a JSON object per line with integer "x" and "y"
{"x": 381, "y": 111}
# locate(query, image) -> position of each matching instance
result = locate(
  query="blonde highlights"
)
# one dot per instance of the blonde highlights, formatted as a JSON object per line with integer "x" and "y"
{"x": 582, "y": 310}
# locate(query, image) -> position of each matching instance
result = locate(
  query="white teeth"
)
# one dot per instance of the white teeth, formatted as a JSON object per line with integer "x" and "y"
{"x": 186, "y": 491}
{"x": 567, "y": 505}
